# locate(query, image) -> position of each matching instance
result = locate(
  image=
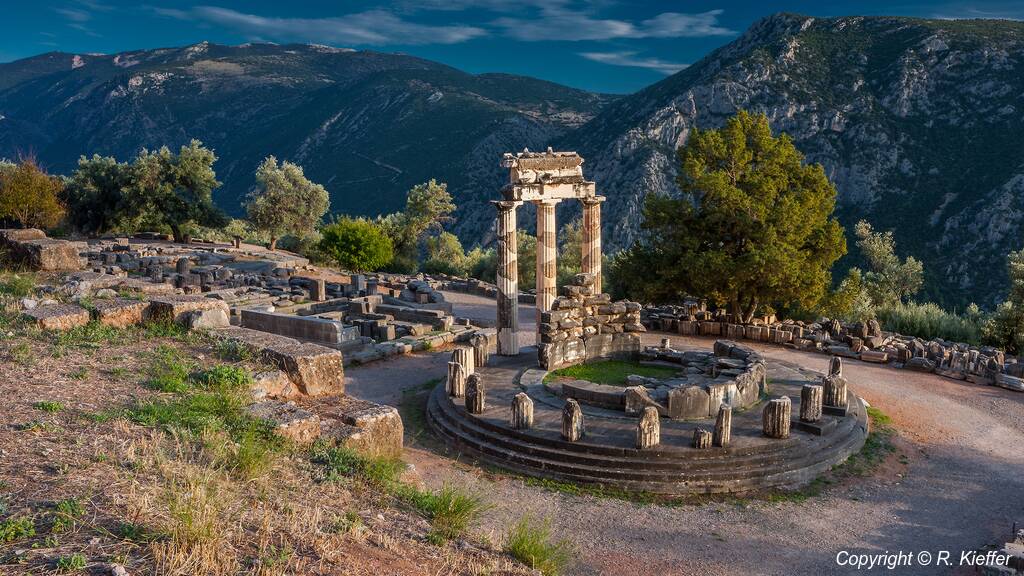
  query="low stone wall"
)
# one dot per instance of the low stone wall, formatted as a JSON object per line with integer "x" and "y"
{"x": 863, "y": 341}
{"x": 31, "y": 247}
{"x": 584, "y": 326}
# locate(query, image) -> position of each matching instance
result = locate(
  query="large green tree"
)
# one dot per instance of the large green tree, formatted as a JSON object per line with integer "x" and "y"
{"x": 98, "y": 196}
{"x": 30, "y": 196}
{"x": 177, "y": 189}
{"x": 427, "y": 207}
{"x": 285, "y": 201}
{"x": 889, "y": 280}
{"x": 1006, "y": 327}
{"x": 754, "y": 229}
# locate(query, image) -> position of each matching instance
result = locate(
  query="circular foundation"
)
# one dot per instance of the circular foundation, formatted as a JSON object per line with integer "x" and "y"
{"x": 606, "y": 455}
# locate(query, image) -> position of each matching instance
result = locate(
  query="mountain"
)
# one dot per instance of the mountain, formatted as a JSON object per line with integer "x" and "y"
{"x": 367, "y": 125}
{"x": 917, "y": 122}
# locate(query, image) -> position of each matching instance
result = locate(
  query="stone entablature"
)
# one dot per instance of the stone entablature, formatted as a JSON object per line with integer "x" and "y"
{"x": 582, "y": 326}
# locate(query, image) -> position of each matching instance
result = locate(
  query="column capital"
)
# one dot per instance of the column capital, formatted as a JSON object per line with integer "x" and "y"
{"x": 506, "y": 204}
{"x": 590, "y": 200}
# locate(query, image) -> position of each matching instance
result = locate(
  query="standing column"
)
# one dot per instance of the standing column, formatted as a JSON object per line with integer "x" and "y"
{"x": 508, "y": 279}
{"x": 592, "y": 239}
{"x": 547, "y": 254}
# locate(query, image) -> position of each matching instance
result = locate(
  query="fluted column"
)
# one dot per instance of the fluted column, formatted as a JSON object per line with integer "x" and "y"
{"x": 508, "y": 279}
{"x": 547, "y": 254}
{"x": 592, "y": 239}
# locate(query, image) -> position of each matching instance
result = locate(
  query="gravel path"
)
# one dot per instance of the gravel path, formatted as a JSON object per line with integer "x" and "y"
{"x": 958, "y": 485}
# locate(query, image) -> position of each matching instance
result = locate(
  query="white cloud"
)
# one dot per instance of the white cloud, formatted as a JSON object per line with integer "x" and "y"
{"x": 373, "y": 27}
{"x": 630, "y": 59}
{"x": 560, "y": 21}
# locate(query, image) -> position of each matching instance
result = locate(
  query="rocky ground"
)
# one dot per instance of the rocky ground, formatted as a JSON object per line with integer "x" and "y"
{"x": 954, "y": 483}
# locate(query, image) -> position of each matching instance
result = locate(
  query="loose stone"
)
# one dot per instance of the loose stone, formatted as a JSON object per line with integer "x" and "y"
{"x": 648, "y": 431}
{"x": 475, "y": 394}
{"x": 522, "y": 412}
{"x": 775, "y": 418}
{"x": 572, "y": 421}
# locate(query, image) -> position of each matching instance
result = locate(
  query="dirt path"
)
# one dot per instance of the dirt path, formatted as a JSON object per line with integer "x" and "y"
{"x": 958, "y": 486}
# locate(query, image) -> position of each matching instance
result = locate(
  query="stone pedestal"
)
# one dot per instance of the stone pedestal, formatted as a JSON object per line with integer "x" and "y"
{"x": 183, "y": 266}
{"x": 475, "y": 394}
{"x": 723, "y": 426}
{"x": 775, "y": 418}
{"x": 591, "y": 263}
{"x": 317, "y": 290}
{"x": 572, "y": 421}
{"x": 835, "y": 366}
{"x": 481, "y": 350}
{"x": 648, "y": 431}
{"x": 456, "y": 384}
{"x": 701, "y": 439}
{"x": 507, "y": 279}
{"x": 810, "y": 403}
{"x": 522, "y": 412}
{"x": 547, "y": 253}
{"x": 465, "y": 356}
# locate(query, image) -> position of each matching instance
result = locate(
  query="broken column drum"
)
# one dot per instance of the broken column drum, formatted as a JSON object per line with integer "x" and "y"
{"x": 572, "y": 421}
{"x": 543, "y": 178}
{"x": 456, "y": 384}
{"x": 648, "y": 430}
{"x": 480, "y": 350}
{"x": 810, "y": 403}
{"x": 775, "y": 418}
{"x": 723, "y": 427}
{"x": 522, "y": 412}
{"x": 701, "y": 438}
{"x": 465, "y": 356}
{"x": 475, "y": 394}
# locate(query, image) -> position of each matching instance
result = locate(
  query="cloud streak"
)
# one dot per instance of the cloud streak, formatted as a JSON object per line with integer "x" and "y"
{"x": 559, "y": 22}
{"x": 372, "y": 27}
{"x": 630, "y": 59}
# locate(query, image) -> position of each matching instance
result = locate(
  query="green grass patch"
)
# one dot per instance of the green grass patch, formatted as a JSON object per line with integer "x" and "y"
{"x": 91, "y": 335}
{"x": 530, "y": 541}
{"x": 73, "y": 563}
{"x": 413, "y": 408}
{"x": 613, "y": 372}
{"x": 21, "y": 353}
{"x": 17, "y": 528}
{"x": 17, "y": 285}
{"x": 210, "y": 407}
{"x": 451, "y": 510}
{"x": 169, "y": 371}
{"x": 66, "y": 513}
{"x": 48, "y": 406}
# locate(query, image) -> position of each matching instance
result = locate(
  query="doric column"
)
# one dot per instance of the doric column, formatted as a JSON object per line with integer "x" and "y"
{"x": 592, "y": 239}
{"x": 547, "y": 254}
{"x": 508, "y": 279}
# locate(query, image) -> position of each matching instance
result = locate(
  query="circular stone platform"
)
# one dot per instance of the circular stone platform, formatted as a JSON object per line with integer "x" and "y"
{"x": 607, "y": 456}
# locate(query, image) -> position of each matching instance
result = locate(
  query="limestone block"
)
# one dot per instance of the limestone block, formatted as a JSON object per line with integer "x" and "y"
{"x": 315, "y": 370}
{"x": 476, "y": 399}
{"x": 289, "y": 420}
{"x": 723, "y": 427}
{"x": 648, "y": 430}
{"x": 776, "y": 416}
{"x": 207, "y": 319}
{"x": 119, "y": 312}
{"x": 572, "y": 421}
{"x": 874, "y": 356}
{"x": 58, "y": 317}
{"x": 689, "y": 403}
{"x": 810, "y": 403}
{"x": 176, "y": 307}
{"x": 521, "y": 415}
{"x": 271, "y": 384}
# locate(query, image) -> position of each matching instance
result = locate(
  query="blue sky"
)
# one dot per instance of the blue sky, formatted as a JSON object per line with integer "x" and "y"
{"x": 602, "y": 45}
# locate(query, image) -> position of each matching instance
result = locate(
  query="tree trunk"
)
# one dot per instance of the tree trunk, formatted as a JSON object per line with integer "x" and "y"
{"x": 273, "y": 243}
{"x": 176, "y": 232}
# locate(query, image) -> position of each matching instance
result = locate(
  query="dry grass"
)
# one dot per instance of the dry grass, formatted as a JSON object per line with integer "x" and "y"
{"x": 164, "y": 500}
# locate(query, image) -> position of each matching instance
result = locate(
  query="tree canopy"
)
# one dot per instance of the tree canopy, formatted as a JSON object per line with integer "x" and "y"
{"x": 427, "y": 207}
{"x": 357, "y": 244}
{"x": 285, "y": 201}
{"x": 159, "y": 188}
{"x": 29, "y": 195}
{"x": 888, "y": 280}
{"x": 754, "y": 228}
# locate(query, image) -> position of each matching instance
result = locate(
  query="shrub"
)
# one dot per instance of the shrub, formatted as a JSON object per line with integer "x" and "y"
{"x": 66, "y": 512}
{"x": 530, "y": 542}
{"x": 929, "y": 321}
{"x": 16, "y": 528}
{"x": 357, "y": 244}
{"x": 31, "y": 196}
{"x": 72, "y": 563}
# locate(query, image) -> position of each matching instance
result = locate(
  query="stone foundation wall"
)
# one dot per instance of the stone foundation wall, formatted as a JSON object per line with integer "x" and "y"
{"x": 31, "y": 247}
{"x": 584, "y": 326}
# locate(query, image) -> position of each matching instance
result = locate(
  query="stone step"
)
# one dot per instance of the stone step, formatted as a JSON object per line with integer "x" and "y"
{"x": 741, "y": 478}
{"x": 723, "y": 475}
